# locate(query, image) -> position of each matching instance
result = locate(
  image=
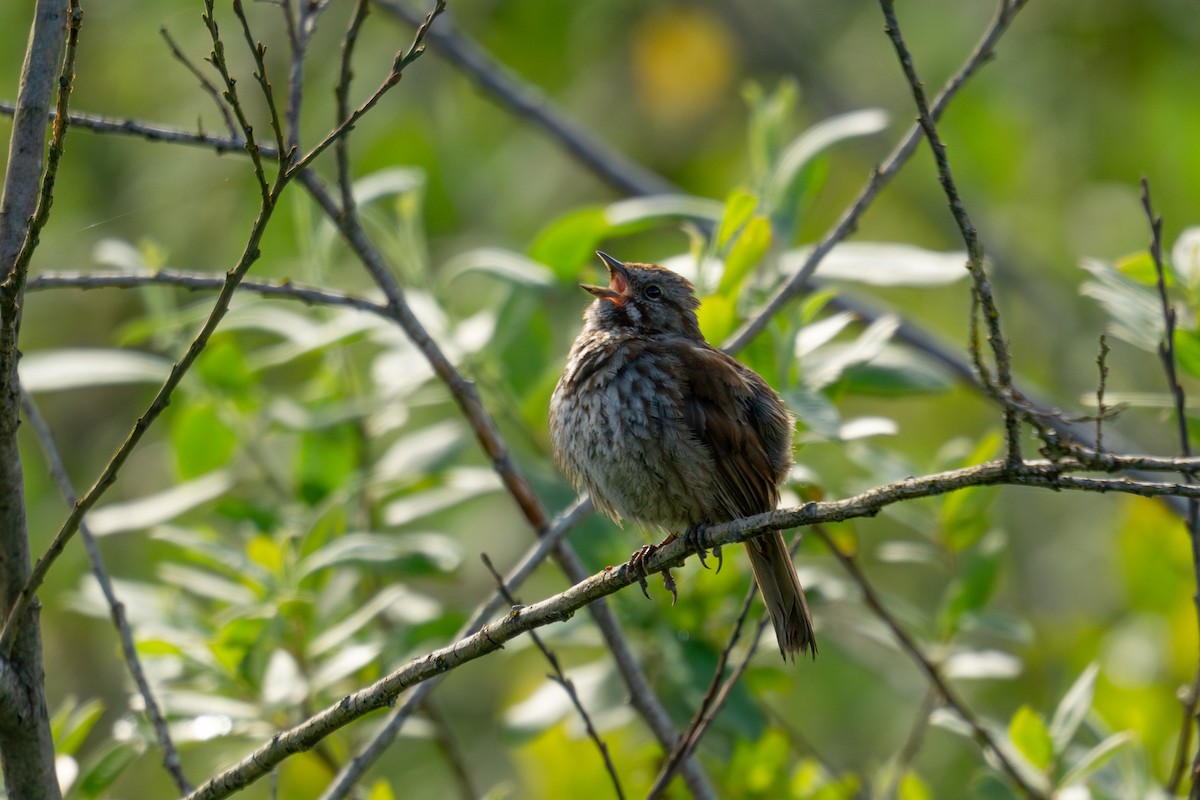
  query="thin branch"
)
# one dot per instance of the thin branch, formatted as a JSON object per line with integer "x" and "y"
{"x": 205, "y": 84}
{"x": 1101, "y": 385}
{"x": 445, "y": 742}
{"x": 586, "y": 593}
{"x": 217, "y": 59}
{"x": 26, "y": 742}
{"x": 402, "y": 60}
{"x": 341, "y": 94}
{"x": 58, "y": 472}
{"x": 848, "y": 222}
{"x": 1166, "y": 355}
{"x": 912, "y": 743}
{"x": 975, "y": 258}
{"x": 259, "y": 52}
{"x": 982, "y": 735}
{"x": 562, "y": 680}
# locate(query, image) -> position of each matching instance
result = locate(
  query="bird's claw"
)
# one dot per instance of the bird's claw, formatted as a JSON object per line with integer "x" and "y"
{"x": 637, "y": 567}
{"x": 692, "y": 538}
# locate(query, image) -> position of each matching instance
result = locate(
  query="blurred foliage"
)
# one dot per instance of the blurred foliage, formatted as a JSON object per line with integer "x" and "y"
{"x": 308, "y": 512}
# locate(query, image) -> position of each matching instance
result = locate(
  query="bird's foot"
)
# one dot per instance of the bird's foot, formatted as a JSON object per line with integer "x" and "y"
{"x": 692, "y": 538}
{"x": 637, "y": 568}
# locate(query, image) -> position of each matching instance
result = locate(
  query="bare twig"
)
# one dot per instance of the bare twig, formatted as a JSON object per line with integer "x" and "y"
{"x": 445, "y": 742}
{"x": 116, "y": 608}
{"x": 975, "y": 258}
{"x": 205, "y": 84}
{"x": 1166, "y": 355}
{"x": 562, "y": 680}
{"x": 342, "y": 96}
{"x": 402, "y": 60}
{"x": 912, "y": 743}
{"x": 1101, "y": 385}
{"x": 259, "y": 52}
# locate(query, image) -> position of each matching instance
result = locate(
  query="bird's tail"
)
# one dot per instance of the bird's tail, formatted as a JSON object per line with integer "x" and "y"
{"x": 783, "y": 595}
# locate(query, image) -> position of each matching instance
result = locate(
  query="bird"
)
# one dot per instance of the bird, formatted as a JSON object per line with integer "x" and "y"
{"x": 664, "y": 430}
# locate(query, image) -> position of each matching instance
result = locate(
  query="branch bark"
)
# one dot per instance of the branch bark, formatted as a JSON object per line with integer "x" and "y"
{"x": 26, "y": 746}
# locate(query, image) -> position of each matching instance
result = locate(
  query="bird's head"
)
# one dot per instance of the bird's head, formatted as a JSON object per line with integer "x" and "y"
{"x": 645, "y": 298}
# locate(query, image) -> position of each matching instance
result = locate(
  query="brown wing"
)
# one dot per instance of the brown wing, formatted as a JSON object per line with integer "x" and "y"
{"x": 743, "y": 423}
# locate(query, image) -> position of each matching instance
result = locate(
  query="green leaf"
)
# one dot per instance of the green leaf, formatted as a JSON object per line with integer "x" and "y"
{"x": 569, "y": 241}
{"x": 641, "y": 213}
{"x": 71, "y": 729}
{"x": 815, "y": 411}
{"x": 1185, "y": 257}
{"x": 884, "y": 264}
{"x": 200, "y": 441}
{"x": 826, "y": 366}
{"x": 739, "y": 207}
{"x": 56, "y": 370}
{"x": 1073, "y": 708}
{"x": 326, "y": 459}
{"x": 504, "y": 264}
{"x": 748, "y": 249}
{"x": 975, "y": 584}
{"x": 155, "y": 509}
{"x": 895, "y": 372}
{"x": 1028, "y": 733}
{"x": 1187, "y": 351}
{"x": 1140, "y": 268}
{"x": 104, "y": 771}
{"x": 1093, "y": 759}
{"x": 782, "y": 195}
{"x": 1135, "y": 311}
{"x": 717, "y": 316}
{"x": 223, "y": 366}
{"x": 408, "y": 553}
{"x": 913, "y": 788}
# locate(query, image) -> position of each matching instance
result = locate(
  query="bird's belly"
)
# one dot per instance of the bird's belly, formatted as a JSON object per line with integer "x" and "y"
{"x": 634, "y": 455}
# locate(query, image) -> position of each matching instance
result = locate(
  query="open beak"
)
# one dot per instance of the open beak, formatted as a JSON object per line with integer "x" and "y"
{"x": 617, "y": 290}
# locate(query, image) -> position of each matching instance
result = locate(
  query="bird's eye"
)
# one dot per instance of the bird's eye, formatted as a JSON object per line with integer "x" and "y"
{"x": 653, "y": 291}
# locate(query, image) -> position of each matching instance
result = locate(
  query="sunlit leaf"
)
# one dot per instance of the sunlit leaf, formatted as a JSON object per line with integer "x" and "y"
{"x": 201, "y": 442}
{"x": 56, "y": 370}
{"x": 781, "y": 186}
{"x": 885, "y": 264}
{"x": 72, "y": 725}
{"x": 817, "y": 334}
{"x": 158, "y": 508}
{"x": 981, "y": 665}
{"x": 717, "y": 316}
{"x": 895, "y": 372}
{"x": 345, "y": 661}
{"x": 413, "y": 455}
{"x": 406, "y": 604}
{"x": 504, "y": 264}
{"x": 103, "y": 772}
{"x": 283, "y": 683}
{"x": 567, "y": 242}
{"x": 864, "y": 427}
{"x": 739, "y": 207}
{"x": 1135, "y": 311}
{"x": 413, "y": 553}
{"x": 826, "y": 365}
{"x": 628, "y": 216}
{"x": 1185, "y": 257}
{"x": 1073, "y": 708}
{"x": 1028, "y": 733}
{"x": 1094, "y": 758}
{"x": 913, "y": 788}
{"x": 748, "y": 249}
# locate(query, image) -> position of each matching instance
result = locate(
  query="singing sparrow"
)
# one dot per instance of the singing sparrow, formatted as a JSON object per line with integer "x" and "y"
{"x": 662, "y": 429}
